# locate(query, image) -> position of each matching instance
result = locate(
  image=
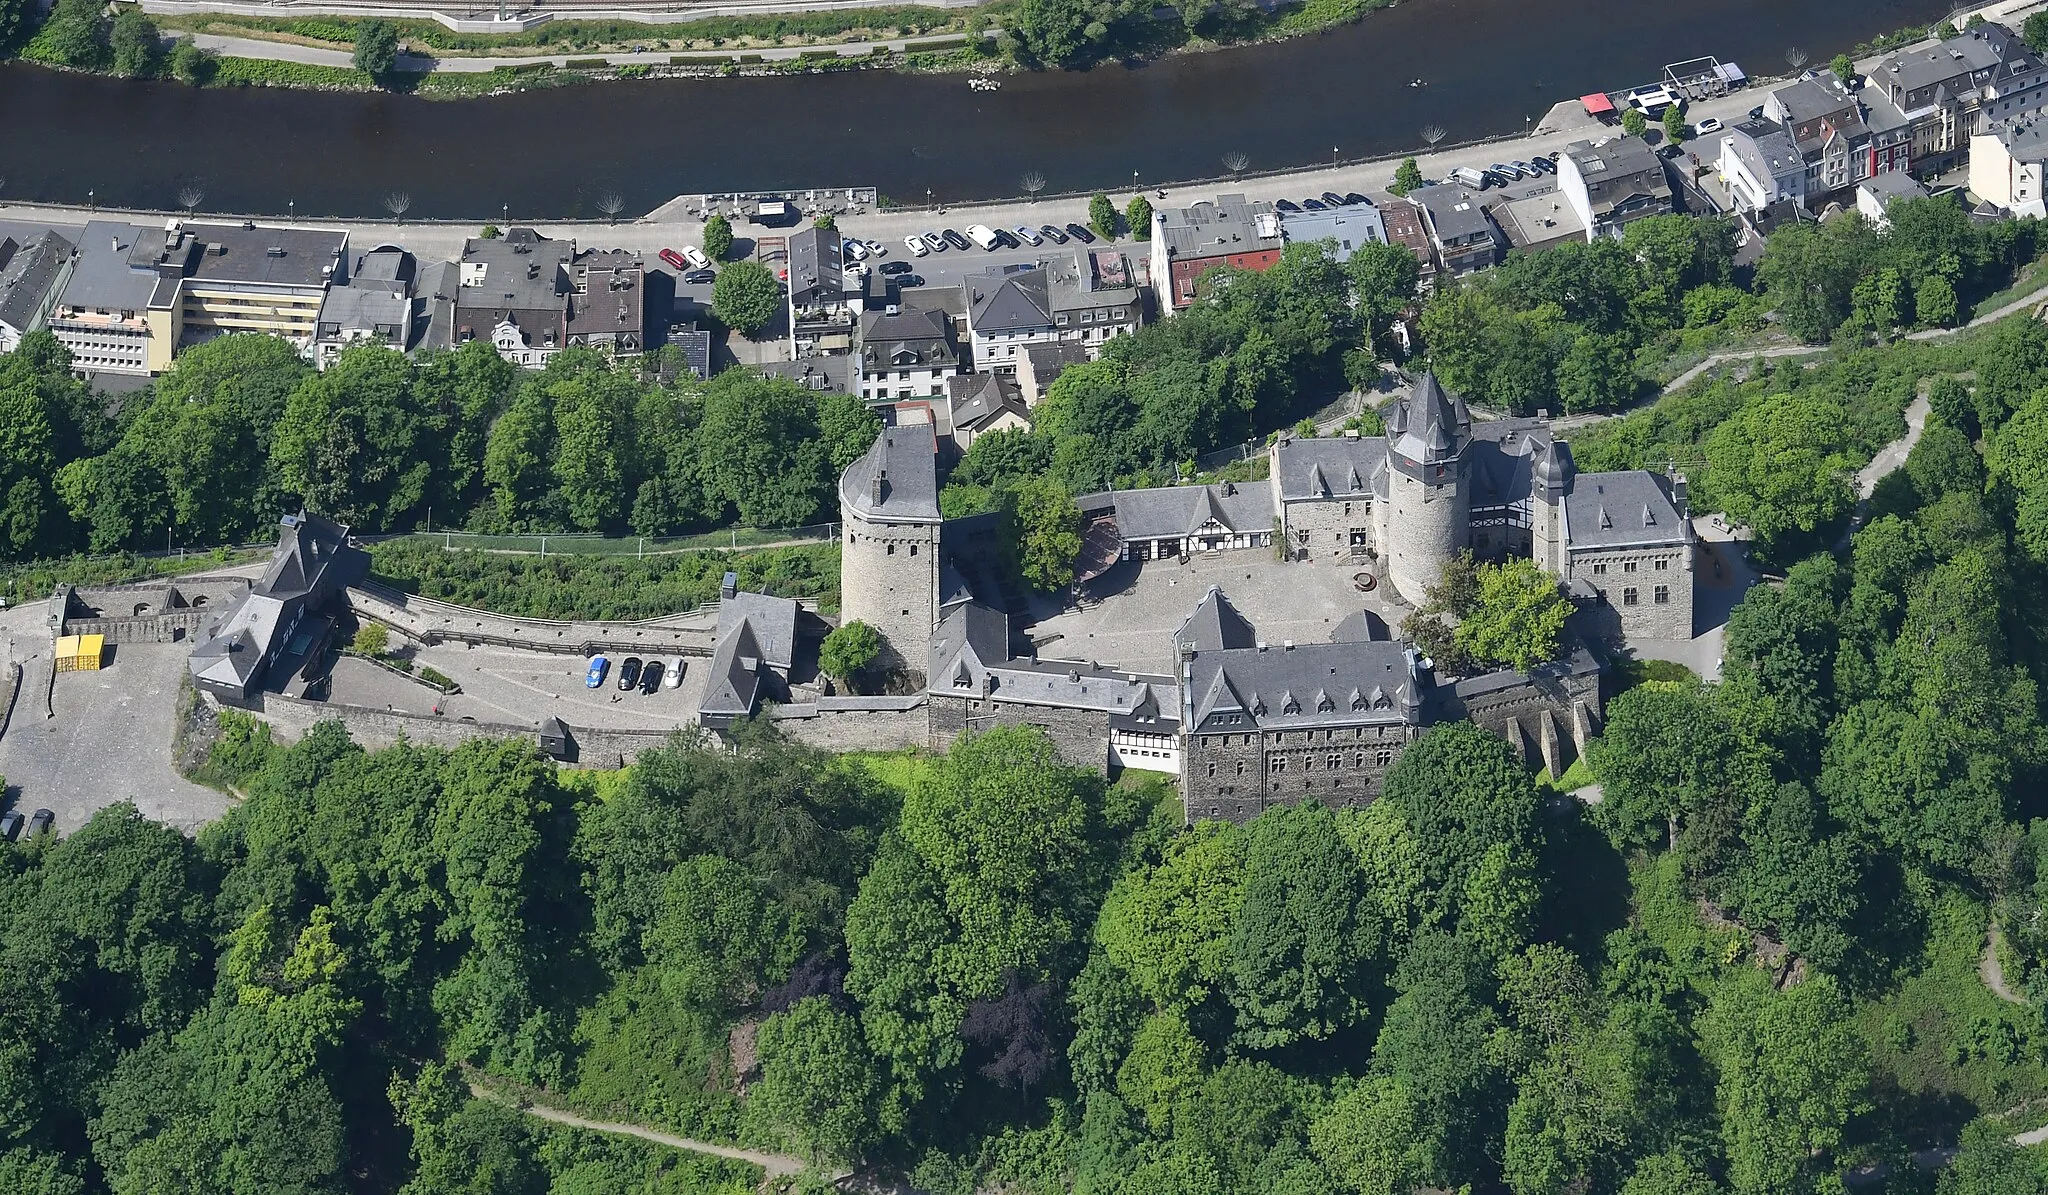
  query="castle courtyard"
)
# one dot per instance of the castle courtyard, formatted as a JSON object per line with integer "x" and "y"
{"x": 1142, "y": 604}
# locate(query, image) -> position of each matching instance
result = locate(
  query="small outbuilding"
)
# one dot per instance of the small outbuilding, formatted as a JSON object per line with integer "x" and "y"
{"x": 80, "y": 653}
{"x": 555, "y": 742}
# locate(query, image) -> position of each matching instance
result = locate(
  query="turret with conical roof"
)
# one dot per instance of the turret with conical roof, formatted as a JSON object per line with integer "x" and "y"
{"x": 1550, "y": 479}
{"x": 1428, "y": 509}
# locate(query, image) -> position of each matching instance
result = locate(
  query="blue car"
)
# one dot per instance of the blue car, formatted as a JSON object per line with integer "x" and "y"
{"x": 594, "y": 679}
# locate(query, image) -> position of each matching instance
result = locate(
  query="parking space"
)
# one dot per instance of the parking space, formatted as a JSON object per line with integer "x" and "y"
{"x": 109, "y": 741}
{"x": 1133, "y": 627}
{"x": 524, "y": 688}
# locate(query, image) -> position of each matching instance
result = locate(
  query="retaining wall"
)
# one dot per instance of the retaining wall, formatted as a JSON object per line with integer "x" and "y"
{"x": 429, "y": 621}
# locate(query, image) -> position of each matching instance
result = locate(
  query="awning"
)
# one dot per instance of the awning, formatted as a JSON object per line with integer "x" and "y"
{"x": 1597, "y": 104}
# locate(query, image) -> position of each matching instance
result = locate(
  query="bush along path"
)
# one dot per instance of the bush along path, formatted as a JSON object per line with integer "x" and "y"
{"x": 774, "y": 1165}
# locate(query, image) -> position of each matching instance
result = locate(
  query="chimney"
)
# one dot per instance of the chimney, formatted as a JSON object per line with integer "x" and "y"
{"x": 1680, "y": 496}
{"x": 729, "y": 586}
{"x": 880, "y": 489}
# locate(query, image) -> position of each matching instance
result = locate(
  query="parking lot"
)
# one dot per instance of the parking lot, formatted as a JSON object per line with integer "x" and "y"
{"x": 110, "y": 740}
{"x": 1133, "y": 627}
{"x": 522, "y": 688}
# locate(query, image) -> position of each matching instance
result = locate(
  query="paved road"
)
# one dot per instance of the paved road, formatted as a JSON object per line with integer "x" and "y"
{"x": 256, "y": 47}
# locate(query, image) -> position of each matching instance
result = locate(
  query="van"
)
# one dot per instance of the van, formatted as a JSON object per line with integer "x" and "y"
{"x": 982, "y": 235}
{"x": 1467, "y": 176}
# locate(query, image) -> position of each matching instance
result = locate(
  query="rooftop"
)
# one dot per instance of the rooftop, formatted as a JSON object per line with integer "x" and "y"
{"x": 117, "y": 266}
{"x": 27, "y": 275}
{"x": 1455, "y": 213}
{"x": 896, "y": 480}
{"x": 1172, "y": 512}
{"x": 1617, "y": 510}
{"x": 1008, "y": 299}
{"x": 1228, "y": 225}
{"x": 302, "y": 257}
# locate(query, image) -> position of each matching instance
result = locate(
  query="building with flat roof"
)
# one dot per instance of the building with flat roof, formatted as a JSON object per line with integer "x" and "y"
{"x": 251, "y": 278}
{"x": 1348, "y": 228}
{"x": 1613, "y": 183}
{"x": 2009, "y": 165}
{"x": 32, "y": 274}
{"x": 1460, "y": 232}
{"x": 1227, "y": 231}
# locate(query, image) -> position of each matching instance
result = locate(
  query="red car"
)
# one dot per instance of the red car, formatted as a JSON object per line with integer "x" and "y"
{"x": 675, "y": 259}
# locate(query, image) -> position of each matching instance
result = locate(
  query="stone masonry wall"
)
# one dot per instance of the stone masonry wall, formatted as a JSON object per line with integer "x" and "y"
{"x": 1080, "y": 736}
{"x": 1646, "y": 617}
{"x": 1329, "y": 524}
{"x": 889, "y": 579}
{"x": 1427, "y": 525}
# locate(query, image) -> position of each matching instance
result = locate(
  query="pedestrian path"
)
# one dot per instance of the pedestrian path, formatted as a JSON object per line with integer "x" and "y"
{"x": 257, "y": 47}
{"x": 775, "y": 1165}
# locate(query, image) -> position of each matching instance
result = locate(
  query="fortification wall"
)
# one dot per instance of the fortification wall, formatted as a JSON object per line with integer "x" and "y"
{"x": 429, "y": 621}
{"x": 1080, "y": 736}
{"x": 889, "y": 579}
{"x": 855, "y": 723}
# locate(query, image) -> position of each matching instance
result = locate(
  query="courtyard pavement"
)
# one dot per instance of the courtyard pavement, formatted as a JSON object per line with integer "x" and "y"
{"x": 522, "y": 688}
{"x": 1132, "y": 627}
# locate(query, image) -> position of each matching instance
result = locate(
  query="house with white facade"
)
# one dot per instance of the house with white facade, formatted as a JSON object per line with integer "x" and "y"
{"x": 2007, "y": 165}
{"x": 1761, "y": 165}
{"x": 906, "y": 352}
{"x": 1612, "y": 184}
{"x": 1088, "y": 300}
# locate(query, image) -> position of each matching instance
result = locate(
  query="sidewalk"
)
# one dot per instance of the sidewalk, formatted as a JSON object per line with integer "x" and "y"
{"x": 256, "y": 47}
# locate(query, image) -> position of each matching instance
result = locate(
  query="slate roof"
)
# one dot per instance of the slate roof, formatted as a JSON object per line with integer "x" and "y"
{"x": 613, "y": 300}
{"x": 817, "y": 267}
{"x": 1335, "y": 467}
{"x": 1893, "y": 184}
{"x": 1215, "y": 625}
{"x": 1430, "y": 425}
{"x": 896, "y": 480}
{"x": 1306, "y": 686}
{"x": 1175, "y": 511}
{"x": 28, "y": 275}
{"x": 1222, "y": 228}
{"x": 1096, "y": 278}
{"x": 1811, "y": 99}
{"x": 772, "y": 618}
{"x": 1767, "y": 148}
{"x": 312, "y": 562}
{"x": 834, "y": 374}
{"x": 977, "y": 398}
{"x": 1454, "y": 213}
{"x": 916, "y": 336}
{"x": 1989, "y": 47}
{"x": 312, "y": 555}
{"x": 2024, "y": 137}
{"x": 735, "y": 678}
{"x": 1012, "y": 302}
{"x": 385, "y": 314}
{"x": 1619, "y": 510}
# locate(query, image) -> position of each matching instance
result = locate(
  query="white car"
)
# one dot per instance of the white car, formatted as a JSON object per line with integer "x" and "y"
{"x": 855, "y": 249}
{"x": 1709, "y": 125}
{"x": 915, "y": 244}
{"x": 1031, "y": 236}
{"x": 672, "y": 678}
{"x": 695, "y": 257}
{"x": 877, "y": 248}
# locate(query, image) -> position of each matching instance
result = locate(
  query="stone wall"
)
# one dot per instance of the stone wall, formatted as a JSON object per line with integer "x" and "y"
{"x": 426, "y": 620}
{"x": 1426, "y": 526}
{"x": 292, "y": 717}
{"x": 1546, "y": 719}
{"x": 1238, "y": 776}
{"x": 1329, "y": 524}
{"x": 889, "y": 579}
{"x": 1615, "y": 574}
{"x": 855, "y": 723}
{"x": 1081, "y": 736}
{"x": 150, "y": 612}
{"x": 175, "y": 627}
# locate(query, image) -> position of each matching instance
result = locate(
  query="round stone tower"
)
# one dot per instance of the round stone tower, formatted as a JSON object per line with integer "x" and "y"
{"x": 1429, "y": 511}
{"x": 889, "y": 545}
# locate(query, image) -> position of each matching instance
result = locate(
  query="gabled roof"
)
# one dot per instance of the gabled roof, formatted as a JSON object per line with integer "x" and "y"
{"x": 1215, "y": 625}
{"x": 1174, "y": 511}
{"x": 735, "y": 677}
{"x": 28, "y": 275}
{"x": 1625, "y": 509}
{"x": 980, "y": 398}
{"x": 1333, "y": 467}
{"x": 1013, "y": 302}
{"x": 968, "y": 641}
{"x": 772, "y": 619}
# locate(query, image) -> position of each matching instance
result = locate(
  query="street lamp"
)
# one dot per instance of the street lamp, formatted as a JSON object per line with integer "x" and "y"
{"x": 291, "y": 209}
{"x": 89, "y": 193}
{"x": 507, "y": 210}
{"x": 1333, "y": 155}
{"x": 1134, "y": 180}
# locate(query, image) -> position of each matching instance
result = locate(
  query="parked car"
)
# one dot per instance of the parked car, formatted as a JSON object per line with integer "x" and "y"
{"x": 673, "y": 678}
{"x": 629, "y": 673}
{"x": 1054, "y": 233}
{"x": 594, "y": 679}
{"x": 1332, "y": 199}
{"x": 701, "y": 277}
{"x": 1528, "y": 169}
{"x": 1504, "y": 170}
{"x": 877, "y": 248}
{"x": 937, "y": 242}
{"x": 895, "y": 267}
{"x": 1757, "y": 113}
{"x": 1007, "y": 239}
{"x": 1469, "y": 177}
{"x": 1030, "y": 236}
{"x": 954, "y": 238}
{"x": 1286, "y": 205}
{"x": 10, "y": 825}
{"x": 1543, "y": 165}
{"x": 695, "y": 257}
{"x": 1313, "y": 205}
{"x": 675, "y": 259}
{"x": 40, "y": 821}
{"x": 650, "y": 676}
{"x": 1709, "y": 125}
{"x": 1671, "y": 152}
{"x": 906, "y": 281}
{"x": 916, "y": 245}
{"x": 1354, "y": 197}
{"x": 1080, "y": 233}
{"x": 855, "y": 249}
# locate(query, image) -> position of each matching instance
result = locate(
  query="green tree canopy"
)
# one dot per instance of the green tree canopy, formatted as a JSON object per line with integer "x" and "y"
{"x": 746, "y": 297}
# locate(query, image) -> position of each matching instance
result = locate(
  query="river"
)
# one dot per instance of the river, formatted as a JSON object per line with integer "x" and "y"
{"x": 1488, "y": 65}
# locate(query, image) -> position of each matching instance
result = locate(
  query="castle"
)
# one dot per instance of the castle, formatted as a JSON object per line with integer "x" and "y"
{"x": 1243, "y": 723}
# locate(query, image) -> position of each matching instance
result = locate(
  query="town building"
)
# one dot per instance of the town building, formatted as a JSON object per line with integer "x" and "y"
{"x": 906, "y": 352}
{"x": 889, "y": 558}
{"x": 532, "y": 297}
{"x": 1761, "y": 165}
{"x": 2009, "y": 165}
{"x": 32, "y": 274}
{"x": 1087, "y": 299}
{"x": 1348, "y": 228}
{"x": 1948, "y": 93}
{"x": 1008, "y": 308}
{"x": 822, "y": 311}
{"x": 1189, "y": 242}
{"x": 1406, "y": 226}
{"x": 820, "y": 375}
{"x": 137, "y": 294}
{"x": 1460, "y": 232}
{"x": 1094, "y": 298}
{"x": 1612, "y": 184}
{"x": 375, "y": 306}
{"x": 751, "y": 658}
{"x": 1842, "y": 137}
{"x": 1040, "y": 365}
{"x": 976, "y": 404}
{"x": 273, "y": 636}
{"x": 1880, "y": 191}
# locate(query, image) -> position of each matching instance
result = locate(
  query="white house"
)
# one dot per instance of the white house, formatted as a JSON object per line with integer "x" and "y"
{"x": 2007, "y": 165}
{"x": 1761, "y": 165}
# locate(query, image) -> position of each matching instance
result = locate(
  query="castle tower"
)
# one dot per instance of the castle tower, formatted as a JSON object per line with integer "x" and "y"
{"x": 1550, "y": 477}
{"x": 889, "y": 551}
{"x": 1429, "y": 512}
